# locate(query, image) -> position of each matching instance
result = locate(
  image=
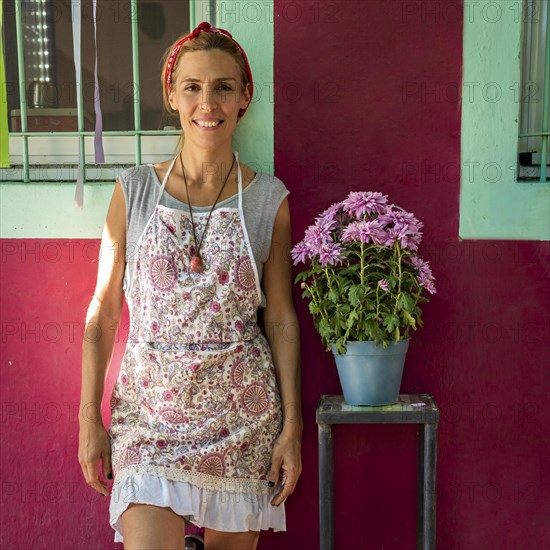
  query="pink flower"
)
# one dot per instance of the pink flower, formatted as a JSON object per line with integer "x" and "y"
{"x": 426, "y": 283}
{"x": 401, "y": 226}
{"x": 316, "y": 236}
{"x": 363, "y": 231}
{"x": 145, "y": 382}
{"x": 398, "y": 234}
{"x": 424, "y": 277}
{"x": 326, "y": 223}
{"x": 300, "y": 253}
{"x": 167, "y": 395}
{"x": 155, "y": 326}
{"x": 330, "y": 253}
{"x": 161, "y": 443}
{"x": 223, "y": 277}
{"x": 330, "y": 213}
{"x": 383, "y": 284}
{"x": 360, "y": 203}
{"x": 422, "y": 265}
{"x": 224, "y": 432}
{"x": 239, "y": 326}
{"x": 215, "y": 306}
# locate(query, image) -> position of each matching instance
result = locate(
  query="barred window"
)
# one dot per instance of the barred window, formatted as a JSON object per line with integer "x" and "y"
{"x": 46, "y": 125}
{"x": 534, "y": 142}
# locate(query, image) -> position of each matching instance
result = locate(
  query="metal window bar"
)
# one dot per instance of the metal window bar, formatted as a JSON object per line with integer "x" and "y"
{"x": 546, "y": 101}
{"x": 138, "y": 132}
{"x": 544, "y": 134}
{"x": 22, "y": 90}
{"x": 136, "y": 88}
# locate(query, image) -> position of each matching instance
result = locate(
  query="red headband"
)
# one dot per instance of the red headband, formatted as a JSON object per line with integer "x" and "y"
{"x": 206, "y": 27}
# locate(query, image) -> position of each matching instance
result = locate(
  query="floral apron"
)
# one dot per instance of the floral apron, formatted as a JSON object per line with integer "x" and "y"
{"x": 196, "y": 398}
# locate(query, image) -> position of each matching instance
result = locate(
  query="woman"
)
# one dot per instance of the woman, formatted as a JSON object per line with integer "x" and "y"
{"x": 206, "y": 419}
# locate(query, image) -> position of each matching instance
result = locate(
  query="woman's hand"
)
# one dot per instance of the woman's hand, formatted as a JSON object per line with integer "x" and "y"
{"x": 287, "y": 456}
{"x": 94, "y": 444}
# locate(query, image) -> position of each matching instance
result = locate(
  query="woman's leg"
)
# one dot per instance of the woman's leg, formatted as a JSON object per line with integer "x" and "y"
{"x": 220, "y": 540}
{"x": 145, "y": 526}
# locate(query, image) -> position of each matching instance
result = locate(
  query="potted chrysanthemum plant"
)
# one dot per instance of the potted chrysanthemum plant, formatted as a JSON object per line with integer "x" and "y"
{"x": 364, "y": 282}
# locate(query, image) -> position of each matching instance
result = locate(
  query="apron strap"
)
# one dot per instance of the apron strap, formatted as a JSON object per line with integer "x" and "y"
{"x": 240, "y": 182}
{"x": 245, "y": 232}
{"x": 165, "y": 180}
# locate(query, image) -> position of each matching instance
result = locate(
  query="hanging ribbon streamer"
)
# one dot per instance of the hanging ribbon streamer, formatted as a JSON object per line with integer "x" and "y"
{"x": 4, "y": 136}
{"x": 98, "y": 137}
{"x": 77, "y": 38}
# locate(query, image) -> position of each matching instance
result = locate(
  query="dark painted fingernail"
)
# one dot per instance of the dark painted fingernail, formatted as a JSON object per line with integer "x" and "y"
{"x": 109, "y": 475}
{"x": 271, "y": 483}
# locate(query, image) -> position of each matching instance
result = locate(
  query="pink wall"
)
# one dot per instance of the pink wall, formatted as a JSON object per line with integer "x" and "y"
{"x": 46, "y": 287}
{"x": 347, "y": 118}
{"x": 342, "y": 122}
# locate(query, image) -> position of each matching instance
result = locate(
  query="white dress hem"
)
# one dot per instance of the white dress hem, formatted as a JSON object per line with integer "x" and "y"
{"x": 223, "y": 511}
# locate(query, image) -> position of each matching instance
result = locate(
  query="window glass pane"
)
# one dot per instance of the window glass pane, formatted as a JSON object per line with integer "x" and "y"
{"x": 49, "y": 62}
{"x": 532, "y": 86}
{"x": 160, "y": 23}
{"x": 38, "y": 37}
{"x": 114, "y": 54}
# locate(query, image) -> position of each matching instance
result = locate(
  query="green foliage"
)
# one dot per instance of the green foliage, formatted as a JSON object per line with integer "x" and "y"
{"x": 347, "y": 302}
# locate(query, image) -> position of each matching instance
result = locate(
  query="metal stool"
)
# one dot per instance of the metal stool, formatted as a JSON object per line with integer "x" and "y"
{"x": 410, "y": 409}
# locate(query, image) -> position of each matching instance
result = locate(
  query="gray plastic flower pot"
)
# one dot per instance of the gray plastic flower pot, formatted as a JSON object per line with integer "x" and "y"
{"x": 370, "y": 374}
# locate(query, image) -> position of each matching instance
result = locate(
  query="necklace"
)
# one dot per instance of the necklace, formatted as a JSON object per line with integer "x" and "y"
{"x": 196, "y": 261}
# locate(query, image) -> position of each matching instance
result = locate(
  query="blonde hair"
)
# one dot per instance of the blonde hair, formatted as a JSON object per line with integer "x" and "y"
{"x": 205, "y": 41}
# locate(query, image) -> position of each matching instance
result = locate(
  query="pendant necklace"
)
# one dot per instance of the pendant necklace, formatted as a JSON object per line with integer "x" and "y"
{"x": 196, "y": 261}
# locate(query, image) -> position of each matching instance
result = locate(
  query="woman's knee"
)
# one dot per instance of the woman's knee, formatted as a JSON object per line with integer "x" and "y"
{"x": 145, "y": 526}
{"x": 221, "y": 540}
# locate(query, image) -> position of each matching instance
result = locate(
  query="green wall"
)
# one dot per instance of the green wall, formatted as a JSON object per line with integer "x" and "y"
{"x": 251, "y": 24}
{"x": 46, "y": 210}
{"x": 493, "y": 205}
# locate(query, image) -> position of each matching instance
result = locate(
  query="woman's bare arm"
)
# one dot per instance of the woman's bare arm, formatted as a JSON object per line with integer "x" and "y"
{"x": 283, "y": 335}
{"x": 102, "y": 321}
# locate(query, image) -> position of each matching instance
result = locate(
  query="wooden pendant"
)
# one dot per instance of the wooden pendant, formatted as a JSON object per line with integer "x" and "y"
{"x": 196, "y": 264}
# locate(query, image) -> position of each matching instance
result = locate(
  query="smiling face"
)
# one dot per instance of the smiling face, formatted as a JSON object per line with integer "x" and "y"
{"x": 208, "y": 93}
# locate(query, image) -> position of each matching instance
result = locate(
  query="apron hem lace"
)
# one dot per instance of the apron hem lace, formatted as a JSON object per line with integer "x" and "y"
{"x": 202, "y": 480}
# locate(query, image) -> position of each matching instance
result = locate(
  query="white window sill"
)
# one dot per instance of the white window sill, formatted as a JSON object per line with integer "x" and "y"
{"x": 55, "y": 158}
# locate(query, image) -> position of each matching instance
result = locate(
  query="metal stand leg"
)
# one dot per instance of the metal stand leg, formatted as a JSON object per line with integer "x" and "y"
{"x": 427, "y": 467}
{"x": 326, "y": 488}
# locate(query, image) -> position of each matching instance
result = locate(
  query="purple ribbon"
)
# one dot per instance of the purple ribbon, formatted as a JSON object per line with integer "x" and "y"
{"x": 76, "y": 12}
{"x": 98, "y": 137}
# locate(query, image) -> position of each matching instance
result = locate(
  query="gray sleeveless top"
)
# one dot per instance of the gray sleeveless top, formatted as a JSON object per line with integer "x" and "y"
{"x": 261, "y": 200}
